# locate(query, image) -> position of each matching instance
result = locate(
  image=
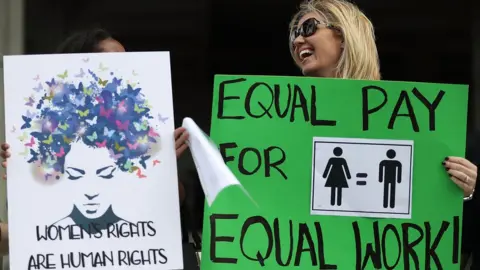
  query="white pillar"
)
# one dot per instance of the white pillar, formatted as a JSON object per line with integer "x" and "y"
{"x": 11, "y": 42}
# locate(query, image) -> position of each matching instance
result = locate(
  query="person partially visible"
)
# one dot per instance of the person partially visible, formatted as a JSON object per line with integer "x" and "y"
{"x": 100, "y": 41}
{"x": 334, "y": 39}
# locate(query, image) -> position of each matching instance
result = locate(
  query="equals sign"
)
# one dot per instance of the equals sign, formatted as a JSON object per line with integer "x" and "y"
{"x": 362, "y": 175}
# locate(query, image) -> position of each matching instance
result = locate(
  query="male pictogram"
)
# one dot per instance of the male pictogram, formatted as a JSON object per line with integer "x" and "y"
{"x": 390, "y": 172}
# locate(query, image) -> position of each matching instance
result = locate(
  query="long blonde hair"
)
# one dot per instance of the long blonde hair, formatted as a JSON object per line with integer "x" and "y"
{"x": 359, "y": 59}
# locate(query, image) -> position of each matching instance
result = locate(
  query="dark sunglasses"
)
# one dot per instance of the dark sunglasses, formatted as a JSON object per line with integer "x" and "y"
{"x": 308, "y": 28}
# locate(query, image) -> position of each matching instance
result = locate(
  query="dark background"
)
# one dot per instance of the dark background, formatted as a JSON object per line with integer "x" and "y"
{"x": 422, "y": 40}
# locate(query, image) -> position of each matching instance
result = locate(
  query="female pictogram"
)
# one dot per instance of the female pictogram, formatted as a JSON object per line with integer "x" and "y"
{"x": 336, "y": 173}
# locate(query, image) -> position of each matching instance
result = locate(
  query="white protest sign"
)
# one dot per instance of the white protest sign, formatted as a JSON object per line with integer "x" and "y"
{"x": 92, "y": 177}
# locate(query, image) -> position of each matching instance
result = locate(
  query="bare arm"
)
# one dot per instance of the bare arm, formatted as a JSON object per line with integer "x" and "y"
{"x": 3, "y": 239}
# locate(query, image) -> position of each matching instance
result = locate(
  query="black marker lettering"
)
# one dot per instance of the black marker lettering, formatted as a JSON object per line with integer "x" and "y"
{"x": 408, "y": 246}
{"x": 366, "y": 110}
{"x": 222, "y": 99}
{"x": 214, "y": 238}
{"x": 269, "y": 164}
{"x": 277, "y": 100}
{"x": 241, "y": 161}
{"x": 430, "y": 106}
{"x": 390, "y": 227}
{"x": 258, "y": 256}
{"x": 278, "y": 243}
{"x": 411, "y": 113}
{"x": 223, "y": 151}
{"x": 456, "y": 239}
{"x": 321, "y": 250}
{"x": 248, "y": 98}
{"x": 299, "y": 101}
{"x": 304, "y": 234}
{"x": 371, "y": 252}
{"x": 430, "y": 247}
{"x": 313, "y": 110}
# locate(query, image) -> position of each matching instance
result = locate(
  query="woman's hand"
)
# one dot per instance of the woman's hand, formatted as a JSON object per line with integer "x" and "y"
{"x": 5, "y": 155}
{"x": 462, "y": 172}
{"x": 181, "y": 137}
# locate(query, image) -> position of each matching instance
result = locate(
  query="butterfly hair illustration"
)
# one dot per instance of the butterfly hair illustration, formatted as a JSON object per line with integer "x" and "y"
{"x": 100, "y": 113}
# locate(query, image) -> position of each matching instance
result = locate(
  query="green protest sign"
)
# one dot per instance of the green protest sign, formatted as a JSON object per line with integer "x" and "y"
{"x": 344, "y": 174}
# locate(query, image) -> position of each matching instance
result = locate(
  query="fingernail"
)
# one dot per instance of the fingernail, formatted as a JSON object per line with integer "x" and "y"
{"x": 443, "y": 163}
{"x": 446, "y": 158}
{"x": 447, "y": 169}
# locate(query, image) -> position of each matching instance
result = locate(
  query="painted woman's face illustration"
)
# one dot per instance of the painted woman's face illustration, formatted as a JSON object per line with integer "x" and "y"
{"x": 90, "y": 172}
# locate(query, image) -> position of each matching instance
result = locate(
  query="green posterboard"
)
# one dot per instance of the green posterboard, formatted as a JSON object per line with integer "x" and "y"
{"x": 316, "y": 155}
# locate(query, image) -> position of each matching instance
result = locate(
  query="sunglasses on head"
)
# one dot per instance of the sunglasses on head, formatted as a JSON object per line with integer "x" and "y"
{"x": 308, "y": 28}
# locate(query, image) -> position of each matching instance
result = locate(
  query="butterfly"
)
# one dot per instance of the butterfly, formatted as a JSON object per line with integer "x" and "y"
{"x": 31, "y": 115}
{"x": 25, "y": 152}
{"x": 49, "y": 140}
{"x": 134, "y": 73}
{"x": 155, "y": 162}
{"x": 63, "y": 126}
{"x": 51, "y": 83}
{"x": 85, "y": 59}
{"x": 132, "y": 146}
{"x": 102, "y": 144}
{"x": 162, "y": 119}
{"x": 132, "y": 84}
{"x": 30, "y": 101}
{"x": 93, "y": 137}
{"x": 122, "y": 107}
{"x": 60, "y": 153}
{"x": 140, "y": 175}
{"x": 64, "y": 75}
{"x": 102, "y": 67}
{"x": 108, "y": 133}
{"x": 27, "y": 123}
{"x": 34, "y": 156}
{"x": 105, "y": 113}
{"x": 102, "y": 82}
{"x": 119, "y": 148}
{"x": 37, "y": 78}
{"x": 23, "y": 137}
{"x": 116, "y": 81}
{"x": 87, "y": 91}
{"x": 114, "y": 156}
{"x": 134, "y": 168}
{"x": 38, "y": 88}
{"x": 152, "y": 133}
{"x": 143, "y": 140}
{"x": 138, "y": 109}
{"x": 128, "y": 165}
{"x": 142, "y": 161}
{"x": 31, "y": 143}
{"x": 141, "y": 127}
{"x": 47, "y": 175}
{"x": 122, "y": 126}
{"x": 50, "y": 161}
{"x": 92, "y": 122}
{"x": 67, "y": 140}
{"x": 13, "y": 129}
{"x": 84, "y": 113}
{"x": 81, "y": 74}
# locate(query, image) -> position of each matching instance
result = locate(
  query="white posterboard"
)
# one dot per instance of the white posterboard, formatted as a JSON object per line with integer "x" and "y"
{"x": 92, "y": 181}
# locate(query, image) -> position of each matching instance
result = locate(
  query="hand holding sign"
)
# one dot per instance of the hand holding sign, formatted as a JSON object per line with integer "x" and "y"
{"x": 462, "y": 172}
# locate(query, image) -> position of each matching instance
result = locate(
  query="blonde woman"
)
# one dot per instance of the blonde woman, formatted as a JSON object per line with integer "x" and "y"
{"x": 333, "y": 38}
